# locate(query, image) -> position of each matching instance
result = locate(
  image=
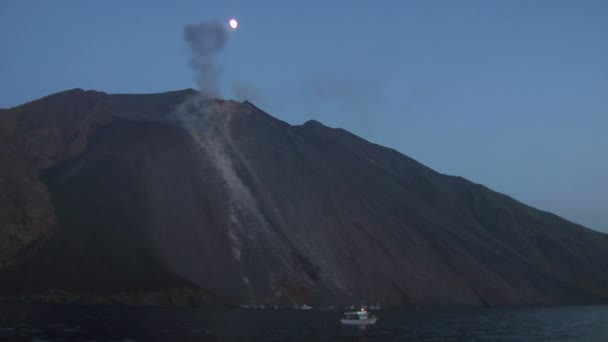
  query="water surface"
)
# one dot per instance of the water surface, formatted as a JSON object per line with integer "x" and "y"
{"x": 69, "y": 322}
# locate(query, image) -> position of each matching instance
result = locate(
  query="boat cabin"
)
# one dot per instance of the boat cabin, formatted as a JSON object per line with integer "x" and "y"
{"x": 361, "y": 314}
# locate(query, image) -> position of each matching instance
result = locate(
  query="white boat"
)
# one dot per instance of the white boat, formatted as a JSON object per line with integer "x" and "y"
{"x": 360, "y": 317}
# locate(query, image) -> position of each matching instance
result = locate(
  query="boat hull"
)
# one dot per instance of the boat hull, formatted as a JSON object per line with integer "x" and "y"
{"x": 359, "y": 321}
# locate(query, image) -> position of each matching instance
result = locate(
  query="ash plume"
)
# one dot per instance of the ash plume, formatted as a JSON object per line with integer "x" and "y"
{"x": 206, "y": 41}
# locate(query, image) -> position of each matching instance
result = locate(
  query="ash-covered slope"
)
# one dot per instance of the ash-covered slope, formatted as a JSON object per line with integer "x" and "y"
{"x": 216, "y": 201}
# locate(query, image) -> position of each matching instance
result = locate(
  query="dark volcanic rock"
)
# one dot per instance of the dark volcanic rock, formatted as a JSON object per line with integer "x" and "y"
{"x": 165, "y": 198}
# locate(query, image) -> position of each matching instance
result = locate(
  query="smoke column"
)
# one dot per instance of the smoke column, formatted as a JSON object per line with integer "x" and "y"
{"x": 206, "y": 41}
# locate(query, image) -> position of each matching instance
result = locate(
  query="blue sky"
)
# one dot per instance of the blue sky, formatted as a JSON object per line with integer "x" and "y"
{"x": 510, "y": 94}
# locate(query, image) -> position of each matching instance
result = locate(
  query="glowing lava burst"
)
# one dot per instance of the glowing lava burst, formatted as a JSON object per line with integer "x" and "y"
{"x": 233, "y": 24}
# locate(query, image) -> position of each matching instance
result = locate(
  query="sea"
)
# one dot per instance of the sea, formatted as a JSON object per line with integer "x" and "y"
{"x": 43, "y": 322}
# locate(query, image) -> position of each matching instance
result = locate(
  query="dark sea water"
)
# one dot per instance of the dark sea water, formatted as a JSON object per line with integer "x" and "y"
{"x": 69, "y": 322}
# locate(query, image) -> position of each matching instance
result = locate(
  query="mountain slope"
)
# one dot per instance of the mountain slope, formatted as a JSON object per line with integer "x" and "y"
{"x": 136, "y": 193}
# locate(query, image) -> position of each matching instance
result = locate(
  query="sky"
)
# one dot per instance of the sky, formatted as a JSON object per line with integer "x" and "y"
{"x": 509, "y": 94}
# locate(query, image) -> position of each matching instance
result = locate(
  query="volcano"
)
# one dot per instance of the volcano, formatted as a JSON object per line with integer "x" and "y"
{"x": 172, "y": 199}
